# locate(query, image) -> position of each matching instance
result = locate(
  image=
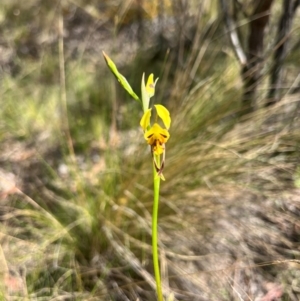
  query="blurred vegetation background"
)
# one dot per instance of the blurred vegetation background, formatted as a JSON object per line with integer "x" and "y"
{"x": 75, "y": 174}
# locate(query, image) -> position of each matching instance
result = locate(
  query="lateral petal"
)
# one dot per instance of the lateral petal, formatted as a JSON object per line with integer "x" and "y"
{"x": 145, "y": 121}
{"x": 164, "y": 114}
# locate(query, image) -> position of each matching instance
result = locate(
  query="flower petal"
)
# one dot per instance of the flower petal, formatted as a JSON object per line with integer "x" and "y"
{"x": 156, "y": 133}
{"x": 164, "y": 114}
{"x": 145, "y": 121}
{"x": 159, "y": 169}
{"x": 150, "y": 87}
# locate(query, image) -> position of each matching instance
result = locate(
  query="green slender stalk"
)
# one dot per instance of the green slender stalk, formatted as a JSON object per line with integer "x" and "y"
{"x": 156, "y": 180}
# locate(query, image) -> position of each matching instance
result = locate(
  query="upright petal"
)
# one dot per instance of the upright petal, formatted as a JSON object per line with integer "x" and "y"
{"x": 150, "y": 87}
{"x": 164, "y": 114}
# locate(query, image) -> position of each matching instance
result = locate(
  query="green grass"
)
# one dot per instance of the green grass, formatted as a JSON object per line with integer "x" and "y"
{"x": 80, "y": 224}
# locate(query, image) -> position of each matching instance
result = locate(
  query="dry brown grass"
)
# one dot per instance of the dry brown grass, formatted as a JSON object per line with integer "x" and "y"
{"x": 78, "y": 227}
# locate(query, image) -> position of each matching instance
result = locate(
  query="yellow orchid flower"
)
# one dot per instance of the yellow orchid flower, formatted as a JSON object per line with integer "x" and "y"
{"x": 156, "y": 136}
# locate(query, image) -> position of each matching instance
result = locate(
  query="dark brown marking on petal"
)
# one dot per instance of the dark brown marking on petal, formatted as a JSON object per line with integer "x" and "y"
{"x": 156, "y": 166}
{"x": 164, "y": 155}
{"x": 162, "y": 166}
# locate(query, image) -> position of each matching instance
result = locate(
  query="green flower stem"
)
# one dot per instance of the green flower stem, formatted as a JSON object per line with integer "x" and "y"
{"x": 156, "y": 180}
